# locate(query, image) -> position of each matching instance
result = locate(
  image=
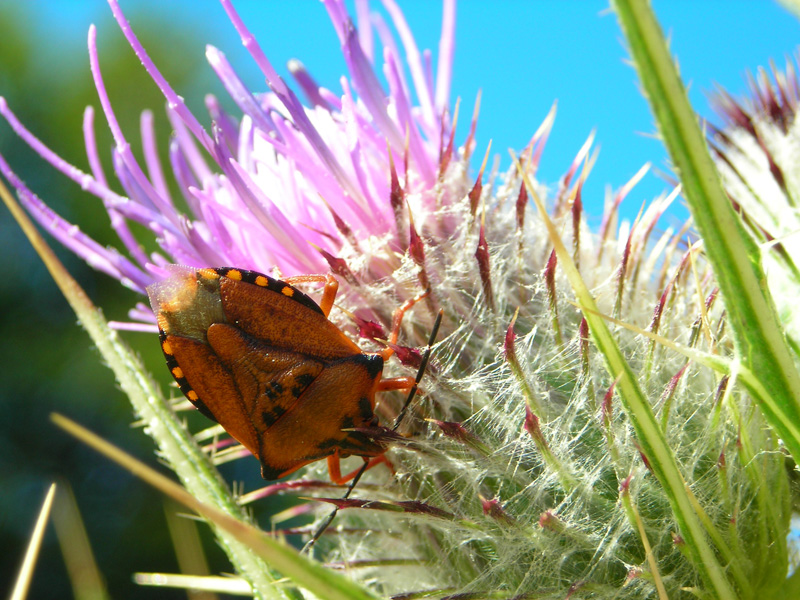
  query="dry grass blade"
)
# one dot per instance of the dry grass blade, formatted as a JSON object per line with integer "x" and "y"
{"x": 25, "y": 575}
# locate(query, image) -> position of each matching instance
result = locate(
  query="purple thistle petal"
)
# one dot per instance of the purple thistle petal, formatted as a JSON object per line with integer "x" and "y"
{"x": 286, "y": 186}
{"x": 364, "y": 28}
{"x": 270, "y": 216}
{"x": 331, "y": 98}
{"x": 222, "y": 120}
{"x": 427, "y": 62}
{"x": 174, "y": 101}
{"x": 293, "y": 105}
{"x": 444, "y": 69}
{"x": 183, "y": 175}
{"x": 413, "y": 61}
{"x": 407, "y": 121}
{"x": 147, "y": 192}
{"x": 237, "y": 90}
{"x": 118, "y": 222}
{"x": 387, "y": 39}
{"x": 86, "y": 181}
{"x": 363, "y": 77}
{"x": 309, "y": 162}
{"x": 189, "y": 149}
{"x": 137, "y": 327}
{"x": 142, "y": 312}
{"x": 107, "y": 260}
{"x": 307, "y": 84}
{"x": 364, "y": 166}
{"x": 151, "y": 159}
{"x": 90, "y": 143}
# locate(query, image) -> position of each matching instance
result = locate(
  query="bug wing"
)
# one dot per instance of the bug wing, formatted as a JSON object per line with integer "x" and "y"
{"x": 245, "y": 385}
{"x": 209, "y": 386}
{"x": 270, "y": 382}
{"x": 283, "y": 322}
{"x": 340, "y": 399}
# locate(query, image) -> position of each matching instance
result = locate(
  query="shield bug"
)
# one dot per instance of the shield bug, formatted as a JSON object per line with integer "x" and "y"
{"x": 262, "y": 359}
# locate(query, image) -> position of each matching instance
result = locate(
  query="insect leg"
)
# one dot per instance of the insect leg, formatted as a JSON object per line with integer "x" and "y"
{"x": 399, "y": 313}
{"x": 328, "y": 294}
{"x": 397, "y": 321}
{"x": 334, "y": 467}
{"x": 359, "y": 472}
{"x": 396, "y": 383}
{"x": 420, "y": 372}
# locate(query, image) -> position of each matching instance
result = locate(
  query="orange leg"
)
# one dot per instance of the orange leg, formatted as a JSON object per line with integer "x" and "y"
{"x": 328, "y": 294}
{"x": 395, "y": 383}
{"x": 334, "y": 467}
{"x": 397, "y": 321}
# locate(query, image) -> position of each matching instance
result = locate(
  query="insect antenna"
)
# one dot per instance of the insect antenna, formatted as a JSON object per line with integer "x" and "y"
{"x": 411, "y": 393}
{"x": 420, "y": 372}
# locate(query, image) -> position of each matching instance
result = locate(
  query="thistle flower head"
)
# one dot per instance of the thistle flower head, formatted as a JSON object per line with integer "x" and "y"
{"x": 758, "y": 148}
{"x": 517, "y": 472}
{"x": 286, "y": 186}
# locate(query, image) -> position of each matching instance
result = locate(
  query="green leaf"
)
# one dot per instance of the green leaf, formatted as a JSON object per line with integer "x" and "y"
{"x": 760, "y": 343}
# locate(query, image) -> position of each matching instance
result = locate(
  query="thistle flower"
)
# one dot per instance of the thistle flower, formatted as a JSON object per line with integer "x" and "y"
{"x": 757, "y": 149}
{"x": 520, "y": 473}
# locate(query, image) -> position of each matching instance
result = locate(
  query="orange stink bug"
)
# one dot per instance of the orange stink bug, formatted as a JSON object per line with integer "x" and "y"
{"x": 262, "y": 359}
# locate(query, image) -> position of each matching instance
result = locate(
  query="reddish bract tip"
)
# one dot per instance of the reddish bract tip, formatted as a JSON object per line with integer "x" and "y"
{"x": 645, "y": 460}
{"x": 409, "y": 357}
{"x": 482, "y": 256}
{"x": 339, "y": 267}
{"x": 522, "y": 202}
{"x": 370, "y": 329}
{"x": 492, "y": 508}
{"x": 455, "y": 431}
{"x": 532, "y": 426}
{"x": 549, "y": 520}
{"x": 509, "y": 347}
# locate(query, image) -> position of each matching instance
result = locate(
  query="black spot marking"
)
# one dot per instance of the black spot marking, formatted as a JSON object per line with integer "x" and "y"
{"x": 273, "y": 390}
{"x": 269, "y": 417}
{"x": 301, "y": 382}
{"x": 373, "y": 363}
{"x": 365, "y": 406}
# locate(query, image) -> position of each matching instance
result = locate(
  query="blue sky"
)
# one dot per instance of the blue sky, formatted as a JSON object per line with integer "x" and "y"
{"x": 523, "y": 55}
